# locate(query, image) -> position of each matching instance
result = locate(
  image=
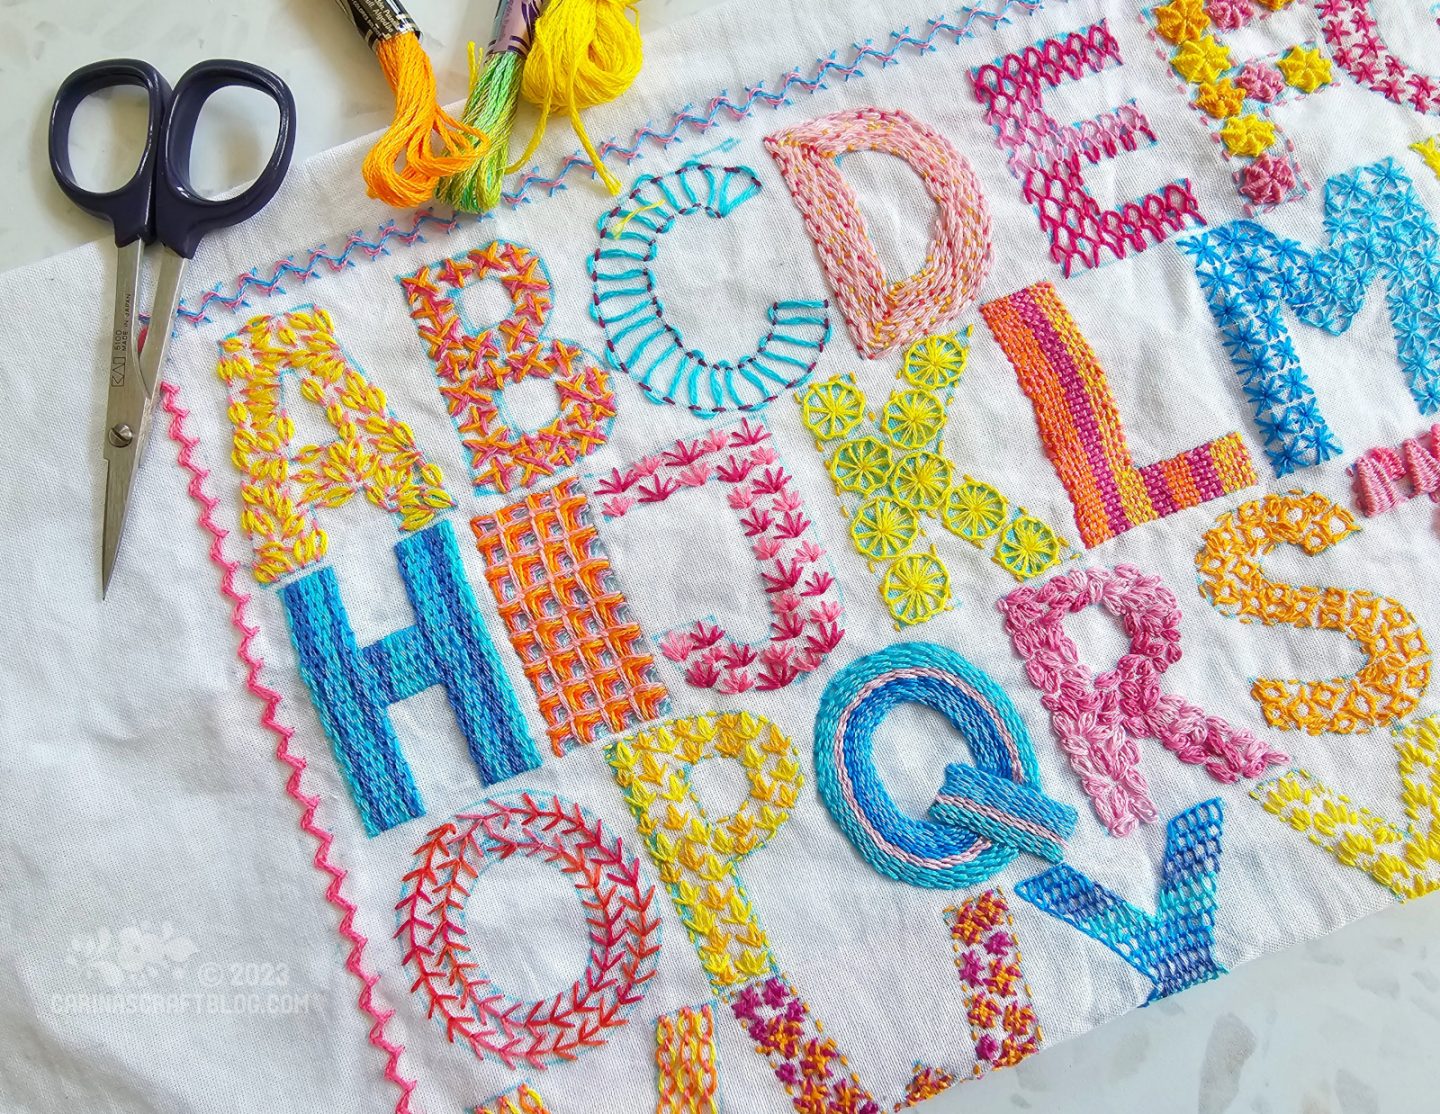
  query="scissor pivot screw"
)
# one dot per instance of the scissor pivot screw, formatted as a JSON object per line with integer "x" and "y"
{"x": 121, "y": 435}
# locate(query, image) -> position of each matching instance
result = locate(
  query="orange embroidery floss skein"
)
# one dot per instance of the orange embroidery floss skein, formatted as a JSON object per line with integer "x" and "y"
{"x": 404, "y": 166}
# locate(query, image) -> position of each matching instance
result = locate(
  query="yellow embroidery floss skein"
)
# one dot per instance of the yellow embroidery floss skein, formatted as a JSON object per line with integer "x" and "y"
{"x": 584, "y": 53}
{"x": 403, "y": 168}
{"x": 491, "y": 107}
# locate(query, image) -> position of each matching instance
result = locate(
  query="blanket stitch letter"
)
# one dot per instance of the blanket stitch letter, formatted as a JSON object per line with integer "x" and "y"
{"x": 646, "y": 346}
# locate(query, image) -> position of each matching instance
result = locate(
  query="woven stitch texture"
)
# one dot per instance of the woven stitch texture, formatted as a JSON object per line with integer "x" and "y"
{"x": 820, "y": 970}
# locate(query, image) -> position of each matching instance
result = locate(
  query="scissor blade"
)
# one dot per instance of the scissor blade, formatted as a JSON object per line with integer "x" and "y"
{"x": 126, "y": 410}
{"x": 122, "y": 464}
{"x": 162, "y": 317}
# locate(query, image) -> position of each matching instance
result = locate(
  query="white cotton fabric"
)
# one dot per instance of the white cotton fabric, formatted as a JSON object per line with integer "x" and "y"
{"x": 145, "y": 830}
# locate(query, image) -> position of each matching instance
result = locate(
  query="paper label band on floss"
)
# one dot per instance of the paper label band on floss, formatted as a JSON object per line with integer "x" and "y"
{"x": 662, "y": 652}
{"x": 378, "y": 20}
{"x": 514, "y": 24}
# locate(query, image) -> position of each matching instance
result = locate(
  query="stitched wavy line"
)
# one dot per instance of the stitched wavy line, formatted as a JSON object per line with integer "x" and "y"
{"x": 317, "y": 260}
{"x": 700, "y": 121}
{"x": 356, "y": 247}
{"x": 865, "y": 56}
{"x": 283, "y": 733}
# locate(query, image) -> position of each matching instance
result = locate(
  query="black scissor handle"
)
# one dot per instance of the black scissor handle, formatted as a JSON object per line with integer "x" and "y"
{"x": 128, "y": 208}
{"x": 183, "y": 217}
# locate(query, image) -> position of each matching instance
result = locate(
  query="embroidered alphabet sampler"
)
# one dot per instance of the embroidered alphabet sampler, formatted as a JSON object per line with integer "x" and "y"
{"x": 943, "y": 558}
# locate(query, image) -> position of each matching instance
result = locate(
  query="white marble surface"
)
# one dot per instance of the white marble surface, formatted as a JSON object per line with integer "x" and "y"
{"x": 1344, "y": 1025}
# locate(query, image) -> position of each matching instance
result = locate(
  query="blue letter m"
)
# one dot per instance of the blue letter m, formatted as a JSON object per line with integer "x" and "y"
{"x": 1378, "y": 229}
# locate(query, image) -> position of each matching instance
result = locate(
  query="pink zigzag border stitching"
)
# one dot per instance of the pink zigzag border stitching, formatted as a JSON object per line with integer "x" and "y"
{"x": 239, "y": 601}
{"x": 320, "y": 261}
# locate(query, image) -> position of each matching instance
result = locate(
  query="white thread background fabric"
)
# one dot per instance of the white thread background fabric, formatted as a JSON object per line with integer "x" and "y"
{"x": 139, "y": 781}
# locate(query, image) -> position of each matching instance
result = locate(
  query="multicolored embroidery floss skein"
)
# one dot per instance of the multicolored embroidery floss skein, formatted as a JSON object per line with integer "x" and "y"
{"x": 584, "y": 53}
{"x": 491, "y": 107}
{"x": 403, "y": 167}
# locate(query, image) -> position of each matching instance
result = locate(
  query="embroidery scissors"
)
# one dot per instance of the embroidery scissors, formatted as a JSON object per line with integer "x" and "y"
{"x": 157, "y": 203}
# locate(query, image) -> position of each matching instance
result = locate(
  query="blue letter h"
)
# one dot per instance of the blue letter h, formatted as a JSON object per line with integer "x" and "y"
{"x": 352, "y": 688}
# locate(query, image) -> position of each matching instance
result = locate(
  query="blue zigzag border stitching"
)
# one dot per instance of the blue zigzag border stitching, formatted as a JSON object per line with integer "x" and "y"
{"x": 688, "y": 119}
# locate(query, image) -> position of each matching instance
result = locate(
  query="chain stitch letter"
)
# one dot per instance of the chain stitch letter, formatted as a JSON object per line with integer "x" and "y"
{"x": 880, "y": 314}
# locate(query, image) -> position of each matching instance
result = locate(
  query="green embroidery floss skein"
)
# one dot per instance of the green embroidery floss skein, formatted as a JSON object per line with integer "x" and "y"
{"x": 491, "y": 107}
